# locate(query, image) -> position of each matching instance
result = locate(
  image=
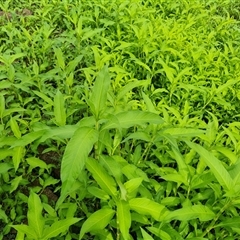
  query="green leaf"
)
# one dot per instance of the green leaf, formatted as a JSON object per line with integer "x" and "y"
{"x": 4, "y": 167}
{"x": 183, "y": 132}
{"x": 73, "y": 64}
{"x": 228, "y": 153}
{"x": 15, "y": 128}
{"x": 112, "y": 166}
{"x": 18, "y": 153}
{"x": 29, "y": 231}
{"x": 15, "y": 183}
{"x": 132, "y": 118}
{"x": 128, "y": 87}
{"x": 36, "y": 162}
{"x": 149, "y": 104}
{"x": 124, "y": 218}
{"x": 5, "y": 153}
{"x": 62, "y": 132}
{"x": 75, "y": 155}
{"x": 229, "y": 222}
{"x": 103, "y": 179}
{"x": 5, "y": 84}
{"x": 97, "y": 221}
{"x": 159, "y": 233}
{"x": 215, "y": 165}
{"x": 99, "y": 193}
{"x": 59, "y": 227}
{"x": 2, "y": 105}
{"x": 35, "y": 218}
{"x": 44, "y": 97}
{"x": 147, "y": 207}
{"x": 139, "y": 136}
{"x": 60, "y": 58}
{"x": 145, "y": 235}
{"x": 3, "y": 216}
{"x": 12, "y": 110}
{"x": 132, "y": 186}
{"x": 99, "y": 93}
{"x": 192, "y": 212}
{"x": 59, "y": 109}
{"x": 28, "y": 138}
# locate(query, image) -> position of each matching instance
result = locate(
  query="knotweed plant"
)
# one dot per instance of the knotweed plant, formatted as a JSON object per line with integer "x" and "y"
{"x": 119, "y": 119}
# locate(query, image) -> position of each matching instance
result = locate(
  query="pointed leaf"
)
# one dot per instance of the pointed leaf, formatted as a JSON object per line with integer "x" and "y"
{"x": 59, "y": 227}
{"x": 28, "y": 138}
{"x": 15, "y": 183}
{"x": 124, "y": 218}
{"x": 187, "y": 213}
{"x": 18, "y": 153}
{"x": 2, "y": 105}
{"x": 103, "y": 179}
{"x": 29, "y": 231}
{"x": 183, "y": 132}
{"x": 97, "y": 221}
{"x": 35, "y": 218}
{"x": 215, "y": 165}
{"x": 147, "y": 207}
{"x": 34, "y": 162}
{"x": 132, "y": 185}
{"x": 112, "y": 166}
{"x": 139, "y": 136}
{"x": 62, "y": 132}
{"x": 128, "y": 87}
{"x": 5, "y": 153}
{"x": 59, "y": 109}
{"x": 149, "y": 104}
{"x": 75, "y": 155}
{"x": 15, "y": 128}
{"x": 230, "y": 222}
{"x": 3, "y": 216}
{"x": 99, "y": 92}
{"x": 44, "y": 97}
{"x": 145, "y": 235}
{"x": 5, "y": 84}
{"x": 4, "y": 167}
{"x": 99, "y": 193}
{"x": 60, "y": 58}
{"x": 132, "y": 118}
{"x": 159, "y": 233}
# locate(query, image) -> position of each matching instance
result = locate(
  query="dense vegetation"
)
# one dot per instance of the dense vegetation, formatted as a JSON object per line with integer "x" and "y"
{"x": 120, "y": 119}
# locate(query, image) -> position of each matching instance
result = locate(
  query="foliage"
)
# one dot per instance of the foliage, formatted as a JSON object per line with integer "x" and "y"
{"x": 119, "y": 119}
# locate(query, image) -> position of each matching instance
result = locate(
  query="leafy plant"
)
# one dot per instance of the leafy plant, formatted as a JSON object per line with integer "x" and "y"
{"x": 119, "y": 120}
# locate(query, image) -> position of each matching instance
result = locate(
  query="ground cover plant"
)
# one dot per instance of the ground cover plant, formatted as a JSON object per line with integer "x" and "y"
{"x": 119, "y": 119}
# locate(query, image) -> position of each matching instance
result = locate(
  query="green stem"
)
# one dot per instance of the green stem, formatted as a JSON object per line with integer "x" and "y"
{"x": 211, "y": 226}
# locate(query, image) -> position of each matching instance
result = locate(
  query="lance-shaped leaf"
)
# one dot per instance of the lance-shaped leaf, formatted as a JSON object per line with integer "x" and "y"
{"x": 215, "y": 165}
{"x": 27, "y": 139}
{"x": 35, "y": 218}
{"x": 59, "y": 109}
{"x": 60, "y": 58}
{"x": 124, "y": 218}
{"x": 59, "y": 227}
{"x": 146, "y": 206}
{"x": 230, "y": 222}
{"x": 97, "y": 221}
{"x": 103, "y": 179}
{"x": 75, "y": 155}
{"x": 62, "y": 132}
{"x": 187, "y": 213}
{"x": 98, "y": 98}
{"x": 145, "y": 235}
{"x": 132, "y": 118}
{"x": 24, "y": 229}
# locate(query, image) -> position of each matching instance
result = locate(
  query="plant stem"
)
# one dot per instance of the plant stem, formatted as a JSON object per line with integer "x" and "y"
{"x": 211, "y": 226}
